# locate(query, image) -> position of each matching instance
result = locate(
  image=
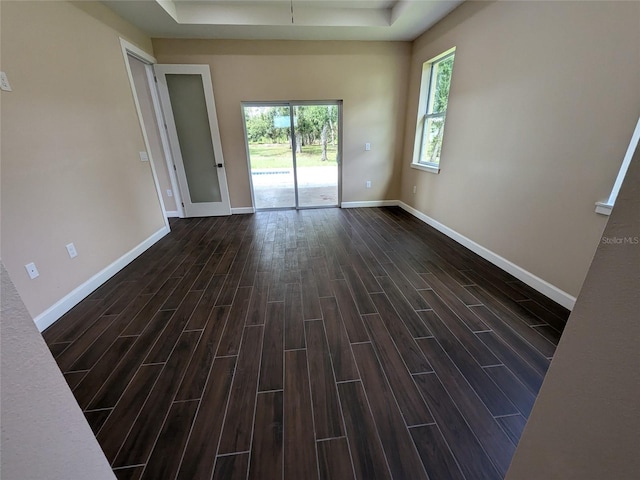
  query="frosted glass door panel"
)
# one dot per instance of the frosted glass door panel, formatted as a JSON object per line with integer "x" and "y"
{"x": 194, "y": 135}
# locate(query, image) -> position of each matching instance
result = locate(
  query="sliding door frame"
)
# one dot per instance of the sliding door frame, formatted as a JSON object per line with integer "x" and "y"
{"x": 291, "y": 104}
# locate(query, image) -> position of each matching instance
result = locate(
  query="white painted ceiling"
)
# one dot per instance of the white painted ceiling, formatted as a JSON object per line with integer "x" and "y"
{"x": 284, "y": 19}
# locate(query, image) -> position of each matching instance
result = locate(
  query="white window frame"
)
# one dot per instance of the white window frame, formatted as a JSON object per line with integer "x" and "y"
{"x": 426, "y": 85}
{"x": 605, "y": 207}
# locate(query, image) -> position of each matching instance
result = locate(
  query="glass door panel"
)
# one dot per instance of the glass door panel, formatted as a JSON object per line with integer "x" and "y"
{"x": 191, "y": 123}
{"x": 294, "y": 171}
{"x": 194, "y": 134}
{"x": 317, "y": 154}
{"x": 268, "y": 131}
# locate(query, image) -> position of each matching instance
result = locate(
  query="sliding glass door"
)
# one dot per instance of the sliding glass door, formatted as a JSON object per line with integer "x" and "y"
{"x": 268, "y": 134}
{"x": 294, "y": 153}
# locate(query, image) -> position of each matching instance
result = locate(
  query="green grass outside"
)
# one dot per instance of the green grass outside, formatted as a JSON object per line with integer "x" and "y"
{"x": 279, "y": 156}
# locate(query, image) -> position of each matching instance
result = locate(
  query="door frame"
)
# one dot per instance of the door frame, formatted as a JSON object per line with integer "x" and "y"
{"x": 204, "y": 71}
{"x": 291, "y": 104}
{"x": 129, "y": 49}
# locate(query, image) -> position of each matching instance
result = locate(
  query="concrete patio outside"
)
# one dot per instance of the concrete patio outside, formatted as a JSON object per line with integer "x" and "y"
{"x": 274, "y": 187}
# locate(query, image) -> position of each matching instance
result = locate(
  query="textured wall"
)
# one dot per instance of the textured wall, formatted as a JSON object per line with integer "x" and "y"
{"x": 44, "y": 433}
{"x": 586, "y": 421}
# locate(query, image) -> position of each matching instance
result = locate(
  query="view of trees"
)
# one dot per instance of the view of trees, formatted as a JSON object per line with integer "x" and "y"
{"x": 434, "y": 125}
{"x": 314, "y": 125}
{"x": 442, "y": 84}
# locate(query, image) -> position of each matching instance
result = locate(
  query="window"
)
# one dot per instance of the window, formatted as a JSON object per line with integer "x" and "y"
{"x": 432, "y": 110}
{"x": 605, "y": 207}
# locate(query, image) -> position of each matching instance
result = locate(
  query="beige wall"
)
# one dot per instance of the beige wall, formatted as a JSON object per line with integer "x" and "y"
{"x": 543, "y": 102}
{"x": 70, "y": 143}
{"x": 44, "y": 433}
{"x": 586, "y": 421}
{"x": 371, "y": 78}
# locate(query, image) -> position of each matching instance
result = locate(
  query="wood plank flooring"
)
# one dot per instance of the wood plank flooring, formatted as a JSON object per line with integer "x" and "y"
{"x": 329, "y": 344}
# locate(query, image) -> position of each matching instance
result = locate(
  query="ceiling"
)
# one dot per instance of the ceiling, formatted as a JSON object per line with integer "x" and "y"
{"x": 397, "y": 20}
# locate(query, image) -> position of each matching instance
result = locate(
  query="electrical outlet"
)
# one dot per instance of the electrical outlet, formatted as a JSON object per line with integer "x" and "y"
{"x": 4, "y": 82}
{"x": 368, "y": 184}
{"x": 71, "y": 248}
{"x": 169, "y": 192}
{"x": 32, "y": 270}
{"x": 367, "y": 146}
{"x": 414, "y": 189}
{"x": 144, "y": 157}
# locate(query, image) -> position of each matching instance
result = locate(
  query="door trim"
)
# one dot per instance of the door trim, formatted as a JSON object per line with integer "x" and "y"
{"x": 214, "y": 130}
{"x": 164, "y": 139}
{"x": 129, "y": 49}
{"x": 291, "y": 104}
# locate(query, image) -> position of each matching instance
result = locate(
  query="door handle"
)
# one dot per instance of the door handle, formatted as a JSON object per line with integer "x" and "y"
{"x": 219, "y": 165}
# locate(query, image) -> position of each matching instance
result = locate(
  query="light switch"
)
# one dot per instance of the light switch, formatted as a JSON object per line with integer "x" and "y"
{"x": 71, "y": 248}
{"x": 144, "y": 157}
{"x": 367, "y": 146}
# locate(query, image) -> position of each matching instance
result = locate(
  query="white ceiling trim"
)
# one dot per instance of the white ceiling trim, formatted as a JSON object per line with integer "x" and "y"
{"x": 273, "y": 19}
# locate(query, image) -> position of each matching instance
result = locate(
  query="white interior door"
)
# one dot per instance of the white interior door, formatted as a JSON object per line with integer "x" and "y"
{"x": 189, "y": 110}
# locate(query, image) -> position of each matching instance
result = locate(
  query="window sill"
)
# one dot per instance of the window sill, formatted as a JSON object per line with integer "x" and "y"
{"x": 603, "y": 208}
{"x": 425, "y": 168}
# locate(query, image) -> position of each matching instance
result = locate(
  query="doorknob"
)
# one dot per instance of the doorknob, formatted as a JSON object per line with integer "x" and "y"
{"x": 219, "y": 165}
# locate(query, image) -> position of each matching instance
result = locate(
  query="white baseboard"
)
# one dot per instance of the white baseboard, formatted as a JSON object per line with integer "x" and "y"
{"x": 234, "y": 211}
{"x": 242, "y": 210}
{"x": 62, "y": 306}
{"x": 370, "y": 203}
{"x": 535, "y": 282}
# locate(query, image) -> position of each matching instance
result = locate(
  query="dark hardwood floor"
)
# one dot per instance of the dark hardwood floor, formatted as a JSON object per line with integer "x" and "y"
{"x": 330, "y": 344}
